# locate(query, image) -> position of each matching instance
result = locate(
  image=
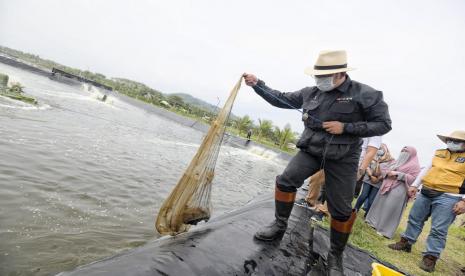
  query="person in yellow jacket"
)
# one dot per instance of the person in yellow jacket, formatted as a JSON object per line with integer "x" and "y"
{"x": 442, "y": 197}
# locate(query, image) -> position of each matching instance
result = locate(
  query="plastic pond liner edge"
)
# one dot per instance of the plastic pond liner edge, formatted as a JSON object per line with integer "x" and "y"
{"x": 225, "y": 246}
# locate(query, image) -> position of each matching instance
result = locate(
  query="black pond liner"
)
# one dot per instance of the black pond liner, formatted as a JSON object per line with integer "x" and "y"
{"x": 225, "y": 246}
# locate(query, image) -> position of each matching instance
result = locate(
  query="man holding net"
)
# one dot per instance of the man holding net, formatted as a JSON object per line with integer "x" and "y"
{"x": 337, "y": 112}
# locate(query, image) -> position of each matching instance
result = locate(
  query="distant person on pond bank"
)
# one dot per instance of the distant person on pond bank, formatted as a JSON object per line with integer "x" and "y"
{"x": 442, "y": 196}
{"x": 391, "y": 200}
{"x": 337, "y": 113}
{"x": 249, "y": 134}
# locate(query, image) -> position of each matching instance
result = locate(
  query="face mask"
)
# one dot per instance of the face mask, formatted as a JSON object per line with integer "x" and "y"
{"x": 380, "y": 152}
{"x": 455, "y": 146}
{"x": 324, "y": 83}
{"x": 403, "y": 157}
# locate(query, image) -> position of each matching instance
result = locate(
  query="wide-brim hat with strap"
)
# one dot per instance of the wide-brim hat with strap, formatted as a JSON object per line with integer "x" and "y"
{"x": 456, "y": 135}
{"x": 329, "y": 62}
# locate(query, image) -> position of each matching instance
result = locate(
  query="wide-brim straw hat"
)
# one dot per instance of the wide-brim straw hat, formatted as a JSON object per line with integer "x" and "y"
{"x": 329, "y": 62}
{"x": 456, "y": 135}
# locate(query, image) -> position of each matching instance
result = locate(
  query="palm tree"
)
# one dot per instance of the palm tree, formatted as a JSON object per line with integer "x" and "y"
{"x": 265, "y": 128}
{"x": 243, "y": 124}
{"x": 282, "y": 137}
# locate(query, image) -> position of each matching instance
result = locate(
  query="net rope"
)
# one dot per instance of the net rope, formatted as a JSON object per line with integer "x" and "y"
{"x": 190, "y": 200}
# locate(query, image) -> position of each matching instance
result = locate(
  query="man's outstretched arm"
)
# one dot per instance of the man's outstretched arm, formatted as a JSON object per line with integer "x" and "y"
{"x": 290, "y": 100}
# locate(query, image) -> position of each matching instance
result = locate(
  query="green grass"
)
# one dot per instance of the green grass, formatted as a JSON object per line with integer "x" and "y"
{"x": 15, "y": 92}
{"x": 20, "y": 97}
{"x": 450, "y": 263}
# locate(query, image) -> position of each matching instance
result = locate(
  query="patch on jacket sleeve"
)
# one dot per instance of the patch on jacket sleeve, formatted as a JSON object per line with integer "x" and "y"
{"x": 460, "y": 160}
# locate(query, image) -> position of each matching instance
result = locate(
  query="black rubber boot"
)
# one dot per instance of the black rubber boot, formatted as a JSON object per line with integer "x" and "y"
{"x": 283, "y": 207}
{"x": 340, "y": 232}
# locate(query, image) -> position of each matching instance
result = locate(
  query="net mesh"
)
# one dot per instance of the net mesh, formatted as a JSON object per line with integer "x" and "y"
{"x": 189, "y": 202}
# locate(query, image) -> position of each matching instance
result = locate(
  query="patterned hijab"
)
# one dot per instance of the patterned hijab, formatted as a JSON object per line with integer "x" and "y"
{"x": 386, "y": 156}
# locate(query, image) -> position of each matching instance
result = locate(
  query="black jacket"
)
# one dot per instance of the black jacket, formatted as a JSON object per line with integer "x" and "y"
{"x": 360, "y": 107}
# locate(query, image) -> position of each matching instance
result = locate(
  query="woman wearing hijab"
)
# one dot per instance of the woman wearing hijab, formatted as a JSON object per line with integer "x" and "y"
{"x": 373, "y": 178}
{"x": 389, "y": 204}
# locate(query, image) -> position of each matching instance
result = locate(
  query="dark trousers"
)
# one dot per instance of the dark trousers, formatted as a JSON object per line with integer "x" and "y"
{"x": 340, "y": 178}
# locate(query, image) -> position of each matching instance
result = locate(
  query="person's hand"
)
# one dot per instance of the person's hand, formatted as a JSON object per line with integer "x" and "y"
{"x": 392, "y": 174}
{"x": 250, "y": 79}
{"x": 333, "y": 127}
{"x": 459, "y": 207}
{"x": 412, "y": 191}
{"x": 374, "y": 179}
{"x": 370, "y": 174}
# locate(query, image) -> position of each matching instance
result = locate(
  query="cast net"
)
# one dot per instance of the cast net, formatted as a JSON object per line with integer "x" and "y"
{"x": 189, "y": 202}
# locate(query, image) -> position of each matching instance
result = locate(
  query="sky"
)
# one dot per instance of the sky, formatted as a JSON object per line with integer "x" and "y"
{"x": 413, "y": 50}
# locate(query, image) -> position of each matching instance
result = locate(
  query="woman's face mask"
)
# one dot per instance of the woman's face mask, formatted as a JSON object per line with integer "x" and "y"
{"x": 324, "y": 83}
{"x": 380, "y": 152}
{"x": 403, "y": 157}
{"x": 455, "y": 146}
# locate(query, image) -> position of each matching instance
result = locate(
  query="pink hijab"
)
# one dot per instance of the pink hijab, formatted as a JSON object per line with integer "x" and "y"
{"x": 410, "y": 167}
